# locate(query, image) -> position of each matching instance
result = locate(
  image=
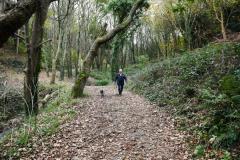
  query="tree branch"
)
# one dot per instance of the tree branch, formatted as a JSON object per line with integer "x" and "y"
{"x": 121, "y": 26}
{"x": 19, "y": 36}
{"x": 16, "y": 18}
{"x": 49, "y": 40}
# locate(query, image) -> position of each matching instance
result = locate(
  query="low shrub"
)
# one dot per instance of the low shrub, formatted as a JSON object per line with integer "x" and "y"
{"x": 103, "y": 82}
{"x": 100, "y": 75}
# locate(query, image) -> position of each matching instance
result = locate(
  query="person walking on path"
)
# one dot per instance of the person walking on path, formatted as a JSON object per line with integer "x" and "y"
{"x": 120, "y": 80}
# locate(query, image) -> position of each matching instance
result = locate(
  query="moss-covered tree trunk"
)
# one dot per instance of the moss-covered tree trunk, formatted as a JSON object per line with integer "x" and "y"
{"x": 81, "y": 80}
{"x": 55, "y": 57}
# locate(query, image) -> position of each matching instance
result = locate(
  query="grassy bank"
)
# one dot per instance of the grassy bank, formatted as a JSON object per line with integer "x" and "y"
{"x": 202, "y": 88}
{"x": 21, "y": 140}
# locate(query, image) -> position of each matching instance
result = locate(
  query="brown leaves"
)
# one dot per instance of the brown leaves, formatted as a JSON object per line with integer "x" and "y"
{"x": 115, "y": 127}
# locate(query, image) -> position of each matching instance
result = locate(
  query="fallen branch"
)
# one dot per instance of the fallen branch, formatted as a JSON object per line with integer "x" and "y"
{"x": 47, "y": 98}
{"x": 49, "y": 40}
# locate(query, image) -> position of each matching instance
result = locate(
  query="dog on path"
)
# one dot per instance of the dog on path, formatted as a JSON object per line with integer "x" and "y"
{"x": 102, "y": 93}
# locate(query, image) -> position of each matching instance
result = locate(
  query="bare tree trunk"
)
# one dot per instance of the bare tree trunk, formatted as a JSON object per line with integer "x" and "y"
{"x": 17, "y": 46}
{"x": 78, "y": 53}
{"x": 223, "y": 29}
{"x": 80, "y": 82}
{"x": 62, "y": 63}
{"x": 70, "y": 74}
{"x": 54, "y": 61}
{"x": 33, "y": 64}
{"x": 220, "y": 17}
{"x": 133, "y": 50}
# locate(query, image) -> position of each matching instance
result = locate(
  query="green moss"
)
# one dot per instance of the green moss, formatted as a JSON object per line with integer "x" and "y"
{"x": 77, "y": 90}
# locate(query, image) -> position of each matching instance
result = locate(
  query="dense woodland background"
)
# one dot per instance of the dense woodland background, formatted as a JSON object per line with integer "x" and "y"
{"x": 180, "y": 54}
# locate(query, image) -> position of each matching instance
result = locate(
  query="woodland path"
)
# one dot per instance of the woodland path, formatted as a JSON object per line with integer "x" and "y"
{"x": 115, "y": 128}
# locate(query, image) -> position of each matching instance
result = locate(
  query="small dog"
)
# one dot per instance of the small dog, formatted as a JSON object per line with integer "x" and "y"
{"x": 102, "y": 93}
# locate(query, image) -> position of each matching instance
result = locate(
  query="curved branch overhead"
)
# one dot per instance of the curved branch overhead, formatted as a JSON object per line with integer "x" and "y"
{"x": 123, "y": 25}
{"x": 16, "y": 18}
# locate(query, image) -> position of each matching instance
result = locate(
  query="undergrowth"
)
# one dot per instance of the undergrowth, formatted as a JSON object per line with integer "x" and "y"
{"x": 102, "y": 78}
{"x": 202, "y": 88}
{"x": 58, "y": 111}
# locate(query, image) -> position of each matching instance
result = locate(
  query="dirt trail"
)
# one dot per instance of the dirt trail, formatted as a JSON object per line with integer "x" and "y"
{"x": 115, "y": 128}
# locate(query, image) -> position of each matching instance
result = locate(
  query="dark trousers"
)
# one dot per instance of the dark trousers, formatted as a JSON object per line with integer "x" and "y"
{"x": 120, "y": 88}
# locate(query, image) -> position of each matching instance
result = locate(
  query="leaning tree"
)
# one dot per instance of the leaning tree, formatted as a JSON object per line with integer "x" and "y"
{"x": 81, "y": 80}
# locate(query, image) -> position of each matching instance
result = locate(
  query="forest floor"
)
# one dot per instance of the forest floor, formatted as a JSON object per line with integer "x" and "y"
{"x": 114, "y": 127}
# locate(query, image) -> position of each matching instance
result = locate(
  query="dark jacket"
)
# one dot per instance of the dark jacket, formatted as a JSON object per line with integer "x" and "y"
{"x": 120, "y": 79}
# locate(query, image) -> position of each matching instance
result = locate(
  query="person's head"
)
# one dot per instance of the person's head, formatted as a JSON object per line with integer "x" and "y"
{"x": 120, "y": 71}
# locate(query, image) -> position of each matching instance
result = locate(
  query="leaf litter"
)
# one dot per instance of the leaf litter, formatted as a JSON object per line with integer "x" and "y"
{"x": 114, "y": 128}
